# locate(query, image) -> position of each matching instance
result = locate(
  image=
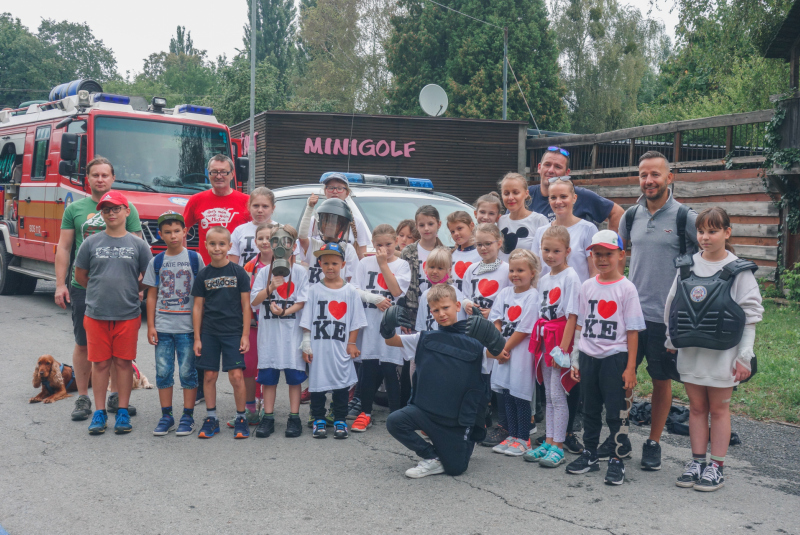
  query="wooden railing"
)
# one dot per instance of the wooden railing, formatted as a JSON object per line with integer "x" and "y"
{"x": 692, "y": 146}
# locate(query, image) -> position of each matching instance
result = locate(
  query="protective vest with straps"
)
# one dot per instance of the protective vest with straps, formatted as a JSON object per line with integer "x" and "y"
{"x": 703, "y": 313}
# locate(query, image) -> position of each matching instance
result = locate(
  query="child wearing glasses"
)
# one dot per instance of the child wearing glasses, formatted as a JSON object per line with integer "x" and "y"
{"x": 337, "y": 187}
{"x": 519, "y": 225}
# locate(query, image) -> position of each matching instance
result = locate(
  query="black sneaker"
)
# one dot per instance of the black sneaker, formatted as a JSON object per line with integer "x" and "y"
{"x": 340, "y": 429}
{"x": 711, "y": 479}
{"x": 540, "y": 440}
{"x": 615, "y": 475}
{"x": 265, "y": 427}
{"x": 112, "y": 404}
{"x": 651, "y": 455}
{"x": 83, "y": 409}
{"x": 294, "y": 427}
{"x": 608, "y": 449}
{"x": 538, "y": 415}
{"x": 572, "y": 444}
{"x": 585, "y": 463}
{"x": 495, "y": 436}
{"x": 691, "y": 474}
{"x": 353, "y": 408}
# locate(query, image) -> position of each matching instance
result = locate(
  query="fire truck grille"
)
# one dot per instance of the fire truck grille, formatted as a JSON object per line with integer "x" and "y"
{"x": 153, "y": 238}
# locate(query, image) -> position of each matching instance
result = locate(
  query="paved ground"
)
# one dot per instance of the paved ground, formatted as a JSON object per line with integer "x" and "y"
{"x": 56, "y": 477}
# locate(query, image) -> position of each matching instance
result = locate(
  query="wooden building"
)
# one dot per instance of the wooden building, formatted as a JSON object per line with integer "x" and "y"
{"x": 463, "y": 157}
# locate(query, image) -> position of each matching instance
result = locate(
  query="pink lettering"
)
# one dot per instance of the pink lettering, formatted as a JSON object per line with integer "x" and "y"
{"x": 370, "y": 151}
{"x": 353, "y": 147}
{"x": 327, "y": 145}
{"x": 408, "y": 149}
{"x": 378, "y": 148}
{"x": 395, "y": 153}
{"x": 340, "y": 147}
{"x": 313, "y": 146}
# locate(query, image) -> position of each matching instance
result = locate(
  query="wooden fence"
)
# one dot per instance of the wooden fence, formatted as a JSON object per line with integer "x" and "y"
{"x": 607, "y": 164}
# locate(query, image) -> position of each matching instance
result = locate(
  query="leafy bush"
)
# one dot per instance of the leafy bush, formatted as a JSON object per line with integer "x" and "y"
{"x": 791, "y": 282}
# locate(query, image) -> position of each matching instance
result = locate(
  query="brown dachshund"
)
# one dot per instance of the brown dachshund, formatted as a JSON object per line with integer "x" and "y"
{"x": 53, "y": 378}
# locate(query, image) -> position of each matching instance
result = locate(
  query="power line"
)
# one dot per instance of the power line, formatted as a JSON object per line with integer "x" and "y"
{"x": 464, "y": 14}
{"x": 523, "y": 97}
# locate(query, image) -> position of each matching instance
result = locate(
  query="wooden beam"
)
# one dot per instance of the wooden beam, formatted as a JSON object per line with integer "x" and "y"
{"x": 728, "y": 140}
{"x": 732, "y": 187}
{"x": 676, "y": 147}
{"x": 757, "y": 252}
{"x": 748, "y": 209}
{"x": 595, "y": 151}
{"x": 740, "y": 160}
{"x": 632, "y": 151}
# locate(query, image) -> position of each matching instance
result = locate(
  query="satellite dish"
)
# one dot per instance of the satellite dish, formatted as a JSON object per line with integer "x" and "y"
{"x": 433, "y": 100}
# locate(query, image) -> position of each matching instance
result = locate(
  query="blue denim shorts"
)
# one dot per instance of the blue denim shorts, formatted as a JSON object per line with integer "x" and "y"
{"x": 270, "y": 376}
{"x": 170, "y": 345}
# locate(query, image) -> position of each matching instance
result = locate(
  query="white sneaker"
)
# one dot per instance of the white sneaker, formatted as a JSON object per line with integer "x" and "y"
{"x": 533, "y": 430}
{"x": 503, "y": 446}
{"x": 426, "y": 467}
{"x": 517, "y": 448}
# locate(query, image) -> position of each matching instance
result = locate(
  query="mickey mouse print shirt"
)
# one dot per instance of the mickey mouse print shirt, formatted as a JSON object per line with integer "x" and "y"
{"x": 370, "y": 279}
{"x": 519, "y": 234}
{"x": 330, "y": 315}
{"x": 517, "y": 312}
{"x": 608, "y": 310}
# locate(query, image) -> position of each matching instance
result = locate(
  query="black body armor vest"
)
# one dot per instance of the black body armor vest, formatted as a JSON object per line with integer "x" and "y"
{"x": 703, "y": 313}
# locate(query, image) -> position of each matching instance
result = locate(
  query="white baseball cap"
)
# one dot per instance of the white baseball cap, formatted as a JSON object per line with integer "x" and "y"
{"x": 608, "y": 239}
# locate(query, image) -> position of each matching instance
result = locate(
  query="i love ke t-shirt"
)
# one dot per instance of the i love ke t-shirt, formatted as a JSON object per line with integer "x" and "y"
{"x": 608, "y": 310}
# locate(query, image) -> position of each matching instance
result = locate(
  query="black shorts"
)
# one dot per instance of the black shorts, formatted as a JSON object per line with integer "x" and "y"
{"x": 77, "y": 298}
{"x": 651, "y": 345}
{"x": 214, "y": 346}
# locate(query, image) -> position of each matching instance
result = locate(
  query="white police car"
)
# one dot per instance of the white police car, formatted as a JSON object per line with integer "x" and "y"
{"x": 377, "y": 198}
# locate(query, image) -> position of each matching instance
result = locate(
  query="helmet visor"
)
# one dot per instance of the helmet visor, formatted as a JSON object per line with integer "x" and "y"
{"x": 333, "y": 227}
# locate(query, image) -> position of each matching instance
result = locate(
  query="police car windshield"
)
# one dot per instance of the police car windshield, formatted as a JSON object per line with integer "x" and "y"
{"x": 167, "y": 157}
{"x": 392, "y": 210}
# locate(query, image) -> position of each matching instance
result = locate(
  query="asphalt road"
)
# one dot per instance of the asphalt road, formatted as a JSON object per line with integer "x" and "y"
{"x": 56, "y": 477}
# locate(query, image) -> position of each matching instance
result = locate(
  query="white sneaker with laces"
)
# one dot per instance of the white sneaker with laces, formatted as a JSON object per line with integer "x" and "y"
{"x": 426, "y": 467}
{"x": 517, "y": 448}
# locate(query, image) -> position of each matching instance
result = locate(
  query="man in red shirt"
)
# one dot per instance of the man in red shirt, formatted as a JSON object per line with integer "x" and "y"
{"x": 221, "y": 206}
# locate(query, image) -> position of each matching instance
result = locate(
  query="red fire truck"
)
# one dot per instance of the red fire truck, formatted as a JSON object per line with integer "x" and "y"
{"x": 159, "y": 156}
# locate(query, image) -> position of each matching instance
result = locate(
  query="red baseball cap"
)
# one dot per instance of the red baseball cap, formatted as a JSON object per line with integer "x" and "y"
{"x": 113, "y": 198}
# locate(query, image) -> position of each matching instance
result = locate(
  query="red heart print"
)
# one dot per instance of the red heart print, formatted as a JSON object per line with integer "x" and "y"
{"x": 514, "y": 312}
{"x": 285, "y": 289}
{"x": 424, "y": 264}
{"x": 461, "y": 268}
{"x": 488, "y": 287}
{"x": 606, "y": 308}
{"x": 554, "y": 294}
{"x": 337, "y": 309}
{"x": 382, "y": 281}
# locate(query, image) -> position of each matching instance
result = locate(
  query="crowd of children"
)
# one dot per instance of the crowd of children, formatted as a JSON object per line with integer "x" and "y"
{"x": 277, "y": 299}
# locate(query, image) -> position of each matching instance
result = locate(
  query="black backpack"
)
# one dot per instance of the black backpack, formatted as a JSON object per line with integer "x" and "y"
{"x": 680, "y": 221}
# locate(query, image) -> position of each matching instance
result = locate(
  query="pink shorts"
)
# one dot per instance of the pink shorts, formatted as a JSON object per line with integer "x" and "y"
{"x": 251, "y": 357}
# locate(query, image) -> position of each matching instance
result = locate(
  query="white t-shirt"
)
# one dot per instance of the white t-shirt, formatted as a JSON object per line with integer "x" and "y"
{"x": 422, "y": 254}
{"x": 243, "y": 242}
{"x": 279, "y": 337}
{"x": 580, "y": 237}
{"x": 331, "y": 315}
{"x": 519, "y": 234}
{"x": 482, "y": 289}
{"x": 315, "y": 271}
{"x": 425, "y": 321}
{"x": 361, "y": 228}
{"x": 462, "y": 260}
{"x": 608, "y": 310}
{"x": 370, "y": 279}
{"x": 517, "y": 312}
{"x": 410, "y": 343}
{"x": 560, "y": 294}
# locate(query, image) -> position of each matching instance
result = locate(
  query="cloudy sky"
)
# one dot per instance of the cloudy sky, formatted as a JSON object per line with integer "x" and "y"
{"x": 137, "y": 29}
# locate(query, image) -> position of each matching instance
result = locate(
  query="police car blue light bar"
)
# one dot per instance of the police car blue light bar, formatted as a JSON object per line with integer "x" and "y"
{"x": 191, "y": 108}
{"x": 112, "y": 99}
{"x": 352, "y": 178}
{"x": 384, "y": 180}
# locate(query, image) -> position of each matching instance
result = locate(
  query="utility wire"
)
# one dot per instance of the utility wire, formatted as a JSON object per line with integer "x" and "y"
{"x": 523, "y": 98}
{"x": 460, "y": 13}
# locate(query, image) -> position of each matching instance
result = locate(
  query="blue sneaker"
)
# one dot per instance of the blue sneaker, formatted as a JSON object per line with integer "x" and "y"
{"x": 209, "y": 429}
{"x": 340, "y": 429}
{"x": 241, "y": 429}
{"x": 165, "y": 425}
{"x": 185, "y": 426}
{"x": 99, "y": 423}
{"x": 122, "y": 424}
{"x": 319, "y": 429}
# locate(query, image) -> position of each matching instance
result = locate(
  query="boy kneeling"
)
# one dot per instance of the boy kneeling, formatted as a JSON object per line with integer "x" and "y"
{"x": 449, "y": 394}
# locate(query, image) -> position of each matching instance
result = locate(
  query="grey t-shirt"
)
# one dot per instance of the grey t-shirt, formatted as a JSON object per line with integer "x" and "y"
{"x": 114, "y": 266}
{"x": 174, "y": 302}
{"x": 654, "y": 246}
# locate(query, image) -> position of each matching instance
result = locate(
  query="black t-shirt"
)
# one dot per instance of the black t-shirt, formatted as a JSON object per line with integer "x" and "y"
{"x": 589, "y": 205}
{"x": 222, "y": 289}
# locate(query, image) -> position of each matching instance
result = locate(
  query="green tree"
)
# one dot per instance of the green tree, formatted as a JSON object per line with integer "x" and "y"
{"x": 231, "y": 95}
{"x": 275, "y": 37}
{"x": 432, "y": 45}
{"x": 80, "y": 54}
{"x": 28, "y": 69}
{"x": 182, "y": 43}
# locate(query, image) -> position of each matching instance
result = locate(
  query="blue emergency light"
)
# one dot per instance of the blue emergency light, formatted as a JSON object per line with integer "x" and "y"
{"x": 384, "y": 180}
{"x": 191, "y": 108}
{"x": 112, "y": 99}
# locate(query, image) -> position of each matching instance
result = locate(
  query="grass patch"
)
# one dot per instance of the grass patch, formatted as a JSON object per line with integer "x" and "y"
{"x": 774, "y": 393}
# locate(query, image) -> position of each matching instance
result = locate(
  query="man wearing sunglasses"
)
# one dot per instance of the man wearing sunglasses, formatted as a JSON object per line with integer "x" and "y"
{"x": 589, "y": 205}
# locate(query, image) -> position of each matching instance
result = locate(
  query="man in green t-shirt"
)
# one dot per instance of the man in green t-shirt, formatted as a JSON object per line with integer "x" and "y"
{"x": 81, "y": 220}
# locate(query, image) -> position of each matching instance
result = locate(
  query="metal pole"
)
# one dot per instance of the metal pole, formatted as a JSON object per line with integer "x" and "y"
{"x": 505, "y": 72}
{"x": 251, "y": 151}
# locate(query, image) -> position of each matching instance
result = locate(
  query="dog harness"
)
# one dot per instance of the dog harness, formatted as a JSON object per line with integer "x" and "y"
{"x": 50, "y": 389}
{"x": 703, "y": 313}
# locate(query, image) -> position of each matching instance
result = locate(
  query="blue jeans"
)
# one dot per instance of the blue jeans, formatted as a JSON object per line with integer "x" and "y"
{"x": 170, "y": 345}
